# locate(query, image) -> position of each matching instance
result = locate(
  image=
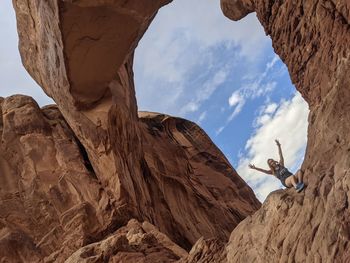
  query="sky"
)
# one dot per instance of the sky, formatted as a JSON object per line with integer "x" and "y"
{"x": 196, "y": 64}
{"x": 14, "y": 79}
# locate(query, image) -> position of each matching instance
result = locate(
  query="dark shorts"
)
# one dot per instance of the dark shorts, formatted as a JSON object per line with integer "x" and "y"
{"x": 283, "y": 179}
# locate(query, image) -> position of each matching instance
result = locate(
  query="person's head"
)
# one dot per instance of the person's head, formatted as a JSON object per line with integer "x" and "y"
{"x": 272, "y": 164}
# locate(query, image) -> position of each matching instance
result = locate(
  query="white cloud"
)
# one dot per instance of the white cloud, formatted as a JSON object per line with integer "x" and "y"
{"x": 270, "y": 108}
{"x": 192, "y": 106}
{"x": 237, "y": 101}
{"x": 236, "y": 111}
{"x": 235, "y": 98}
{"x": 257, "y": 86}
{"x": 288, "y": 123}
{"x": 218, "y": 131}
{"x": 211, "y": 85}
{"x": 263, "y": 119}
{"x": 202, "y": 117}
{"x": 261, "y": 84}
{"x": 265, "y": 114}
{"x": 178, "y": 54}
{"x": 266, "y": 88}
{"x": 205, "y": 92}
{"x": 270, "y": 64}
{"x": 253, "y": 87}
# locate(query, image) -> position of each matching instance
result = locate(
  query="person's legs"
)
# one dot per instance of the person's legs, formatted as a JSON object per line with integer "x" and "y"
{"x": 291, "y": 181}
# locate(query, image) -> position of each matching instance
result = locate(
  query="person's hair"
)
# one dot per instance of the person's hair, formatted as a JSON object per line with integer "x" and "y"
{"x": 268, "y": 163}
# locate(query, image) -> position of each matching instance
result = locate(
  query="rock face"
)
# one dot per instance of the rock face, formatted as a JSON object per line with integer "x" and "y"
{"x": 206, "y": 251}
{"x": 53, "y": 202}
{"x": 312, "y": 38}
{"x": 135, "y": 242}
{"x": 196, "y": 171}
{"x": 75, "y": 173}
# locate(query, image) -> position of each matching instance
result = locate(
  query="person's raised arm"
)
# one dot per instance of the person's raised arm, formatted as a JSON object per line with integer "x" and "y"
{"x": 280, "y": 152}
{"x": 252, "y": 166}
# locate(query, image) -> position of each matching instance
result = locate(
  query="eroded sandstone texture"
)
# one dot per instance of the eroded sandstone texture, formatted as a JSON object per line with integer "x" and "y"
{"x": 74, "y": 174}
{"x": 135, "y": 242}
{"x": 51, "y": 201}
{"x": 313, "y": 39}
{"x": 69, "y": 186}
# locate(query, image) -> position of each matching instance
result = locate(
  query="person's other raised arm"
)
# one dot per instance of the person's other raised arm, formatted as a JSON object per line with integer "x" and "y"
{"x": 280, "y": 152}
{"x": 252, "y": 166}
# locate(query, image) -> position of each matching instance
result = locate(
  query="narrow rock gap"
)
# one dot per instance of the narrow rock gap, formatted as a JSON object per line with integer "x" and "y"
{"x": 105, "y": 233}
{"x": 86, "y": 160}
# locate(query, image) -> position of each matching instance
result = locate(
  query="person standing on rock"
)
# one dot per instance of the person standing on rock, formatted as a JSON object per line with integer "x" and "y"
{"x": 282, "y": 173}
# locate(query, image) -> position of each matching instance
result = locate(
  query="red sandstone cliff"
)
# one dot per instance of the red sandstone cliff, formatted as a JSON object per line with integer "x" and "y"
{"x": 77, "y": 179}
{"x": 313, "y": 39}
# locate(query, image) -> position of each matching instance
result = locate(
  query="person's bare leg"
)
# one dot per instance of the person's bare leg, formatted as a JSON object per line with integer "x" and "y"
{"x": 299, "y": 175}
{"x": 291, "y": 181}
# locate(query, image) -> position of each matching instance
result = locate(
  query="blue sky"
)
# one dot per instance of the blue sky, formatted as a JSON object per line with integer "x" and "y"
{"x": 195, "y": 63}
{"x": 13, "y": 77}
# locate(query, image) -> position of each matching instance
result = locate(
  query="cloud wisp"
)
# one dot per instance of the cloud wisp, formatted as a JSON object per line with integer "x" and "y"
{"x": 251, "y": 88}
{"x": 183, "y": 59}
{"x": 237, "y": 102}
{"x": 206, "y": 91}
{"x": 286, "y": 122}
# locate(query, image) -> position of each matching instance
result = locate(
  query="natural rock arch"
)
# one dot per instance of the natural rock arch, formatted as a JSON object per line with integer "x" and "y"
{"x": 109, "y": 163}
{"x": 311, "y": 38}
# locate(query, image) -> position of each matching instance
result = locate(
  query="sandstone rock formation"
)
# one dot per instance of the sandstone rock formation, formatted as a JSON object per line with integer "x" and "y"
{"x": 206, "y": 251}
{"x": 53, "y": 202}
{"x": 312, "y": 38}
{"x": 133, "y": 243}
{"x": 79, "y": 171}
{"x": 73, "y": 175}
